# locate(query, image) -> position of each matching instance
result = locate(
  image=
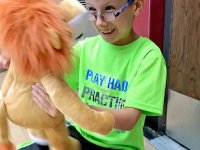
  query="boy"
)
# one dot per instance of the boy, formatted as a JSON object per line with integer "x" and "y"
{"x": 117, "y": 71}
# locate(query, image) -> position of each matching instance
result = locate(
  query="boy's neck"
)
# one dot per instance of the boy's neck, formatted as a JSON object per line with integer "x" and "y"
{"x": 133, "y": 38}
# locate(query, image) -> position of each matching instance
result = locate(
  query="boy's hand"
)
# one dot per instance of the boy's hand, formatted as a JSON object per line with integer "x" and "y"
{"x": 43, "y": 100}
{"x": 4, "y": 62}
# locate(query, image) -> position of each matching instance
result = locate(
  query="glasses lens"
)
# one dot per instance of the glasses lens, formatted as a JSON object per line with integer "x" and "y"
{"x": 91, "y": 16}
{"x": 108, "y": 16}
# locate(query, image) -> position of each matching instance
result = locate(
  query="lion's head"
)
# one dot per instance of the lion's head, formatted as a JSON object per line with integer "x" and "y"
{"x": 35, "y": 37}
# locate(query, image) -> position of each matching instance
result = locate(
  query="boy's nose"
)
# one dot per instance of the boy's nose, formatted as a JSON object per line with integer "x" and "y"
{"x": 100, "y": 21}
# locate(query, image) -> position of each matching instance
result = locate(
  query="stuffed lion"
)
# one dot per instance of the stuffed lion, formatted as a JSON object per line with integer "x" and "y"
{"x": 38, "y": 42}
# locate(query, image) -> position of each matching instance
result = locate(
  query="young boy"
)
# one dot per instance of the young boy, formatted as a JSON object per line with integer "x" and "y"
{"x": 117, "y": 71}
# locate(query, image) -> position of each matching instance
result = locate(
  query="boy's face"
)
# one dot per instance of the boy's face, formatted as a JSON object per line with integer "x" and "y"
{"x": 120, "y": 30}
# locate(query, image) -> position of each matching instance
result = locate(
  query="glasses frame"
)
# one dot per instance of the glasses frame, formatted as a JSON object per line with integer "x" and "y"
{"x": 115, "y": 14}
{"x": 123, "y": 8}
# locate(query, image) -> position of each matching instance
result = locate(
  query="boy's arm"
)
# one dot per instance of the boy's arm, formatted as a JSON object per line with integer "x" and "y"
{"x": 152, "y": 74}
{"x": 125, "y": 119}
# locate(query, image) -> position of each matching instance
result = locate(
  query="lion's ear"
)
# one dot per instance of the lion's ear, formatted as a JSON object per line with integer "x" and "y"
{"x": 55, "y": 39}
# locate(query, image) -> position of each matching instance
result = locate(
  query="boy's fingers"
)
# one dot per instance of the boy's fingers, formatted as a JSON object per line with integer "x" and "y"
{"x": 39, "y": 85}
{"x": 41, "y": 102}
{"x": 39, "y": 89}
{"x": 41, "y": 96}
{"x": 44, "y": 101}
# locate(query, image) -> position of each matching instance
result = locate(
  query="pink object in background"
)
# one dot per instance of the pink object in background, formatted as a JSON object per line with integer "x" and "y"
{"x": 150, "y": 22}
{"x": 142, "y": 21}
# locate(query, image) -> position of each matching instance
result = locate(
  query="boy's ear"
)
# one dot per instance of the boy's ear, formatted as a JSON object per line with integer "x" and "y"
{"x": 137, "y": 6}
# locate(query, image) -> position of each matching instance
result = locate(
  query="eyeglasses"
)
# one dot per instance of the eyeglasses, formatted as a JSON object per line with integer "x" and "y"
{"x": 109, "y": 16}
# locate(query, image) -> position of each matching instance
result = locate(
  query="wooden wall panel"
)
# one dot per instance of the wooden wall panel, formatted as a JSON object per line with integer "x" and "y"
{"x": 184, "y": 67}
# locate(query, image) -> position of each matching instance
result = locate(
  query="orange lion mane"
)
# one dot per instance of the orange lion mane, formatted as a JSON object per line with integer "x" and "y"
{"x": 24, "y": 37}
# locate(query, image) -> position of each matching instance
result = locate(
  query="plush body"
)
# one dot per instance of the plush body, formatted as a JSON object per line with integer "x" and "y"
{"x": 38, "y": 42}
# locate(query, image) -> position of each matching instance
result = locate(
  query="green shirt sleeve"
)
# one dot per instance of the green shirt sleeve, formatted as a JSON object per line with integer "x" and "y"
{"x": 147, "y": 88}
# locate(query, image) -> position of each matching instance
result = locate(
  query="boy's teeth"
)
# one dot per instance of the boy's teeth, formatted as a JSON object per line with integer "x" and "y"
{"x": 106, "y": 32}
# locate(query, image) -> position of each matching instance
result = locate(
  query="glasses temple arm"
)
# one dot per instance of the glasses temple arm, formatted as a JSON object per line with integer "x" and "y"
{"x": 123, "y": 7}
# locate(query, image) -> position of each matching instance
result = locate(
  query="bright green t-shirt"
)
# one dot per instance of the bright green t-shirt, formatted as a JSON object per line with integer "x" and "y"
{"x": 110, "y": 76}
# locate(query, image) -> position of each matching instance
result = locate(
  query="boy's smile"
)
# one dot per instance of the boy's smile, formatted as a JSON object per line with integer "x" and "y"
{"x": 108, "y": 32}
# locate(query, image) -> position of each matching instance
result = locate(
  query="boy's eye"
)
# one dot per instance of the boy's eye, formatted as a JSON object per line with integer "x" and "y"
{"x": 91, "y": 9}
{"x": 109, "y": 8}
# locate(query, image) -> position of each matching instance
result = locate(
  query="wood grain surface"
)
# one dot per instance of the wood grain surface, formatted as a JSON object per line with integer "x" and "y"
{"x": 184, "y": 67}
